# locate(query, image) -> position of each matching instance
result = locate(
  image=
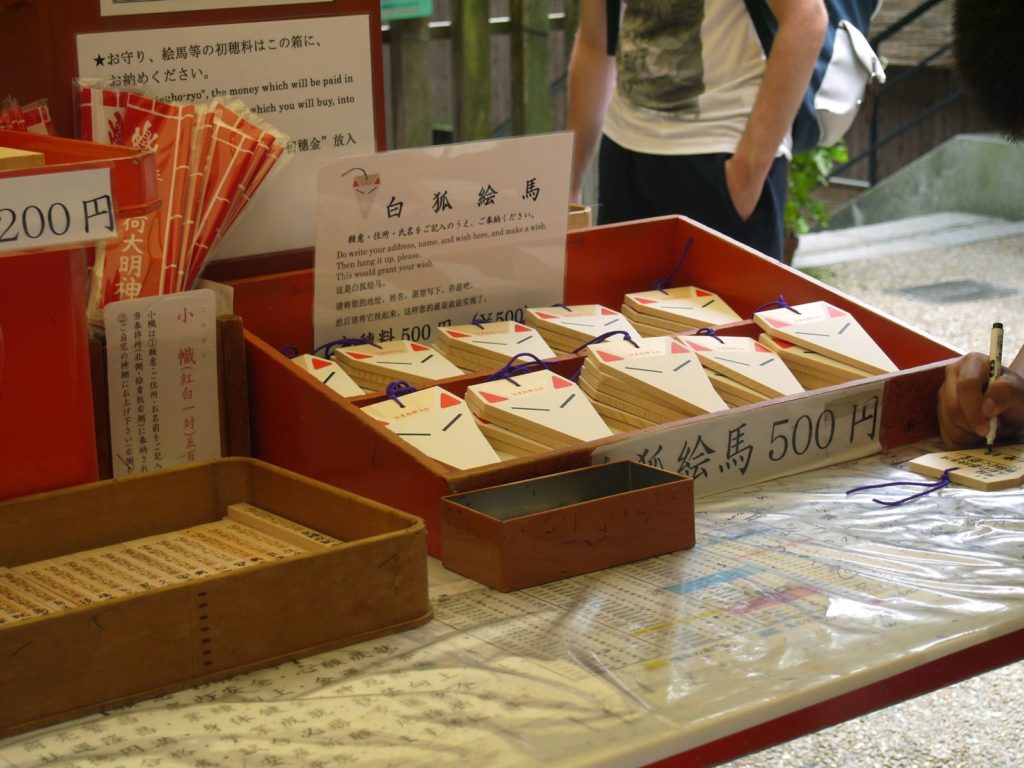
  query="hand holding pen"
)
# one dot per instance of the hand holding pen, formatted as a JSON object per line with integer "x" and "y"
{"x": 995, "y": 370}
{"x": 975, "y": 396}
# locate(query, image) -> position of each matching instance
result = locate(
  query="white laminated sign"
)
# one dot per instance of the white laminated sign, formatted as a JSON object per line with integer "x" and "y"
{"x": 418, "y": 238}
{"x": 162, "y": 381}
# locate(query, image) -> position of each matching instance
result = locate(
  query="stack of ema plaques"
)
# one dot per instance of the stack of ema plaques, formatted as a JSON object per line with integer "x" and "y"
{"x": 486, "y": 346}
{"x": 507, "y": 443}
{"x": 437, "y": 423}
{"x": 676, "y": 310}
{"x": 541, "y": 406}
{"x": 821, "y": 344}
{"x": 647, "y": 381}
{"x": 567, "y": 328}
{"x": 374, "y": 366}
{"x": 741, "y": 369}
{"x": 329, "y": 373}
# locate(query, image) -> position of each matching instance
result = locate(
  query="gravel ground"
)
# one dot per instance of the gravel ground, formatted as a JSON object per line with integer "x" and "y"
{"x": 977, "y": 722}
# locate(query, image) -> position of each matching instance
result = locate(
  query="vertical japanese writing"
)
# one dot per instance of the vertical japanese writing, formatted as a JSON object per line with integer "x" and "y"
{"x": 186, "y": 367}
{"x": 865, "y": 417}
{"x": 129, "y": 252}
{"x": 163, "y": 398}
{"x": 140, "y": 389}
{"x": 154, "y": 389}
{"x": 126, "y": 457}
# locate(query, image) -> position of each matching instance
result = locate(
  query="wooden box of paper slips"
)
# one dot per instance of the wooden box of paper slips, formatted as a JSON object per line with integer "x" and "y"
{"x": 301, "y": 424}
{"x": 548, "y": 528}
{"x": 122, "y": 590}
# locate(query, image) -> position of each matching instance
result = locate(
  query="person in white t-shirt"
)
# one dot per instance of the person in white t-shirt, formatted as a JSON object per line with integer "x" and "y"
{"x": 695, "y": 118}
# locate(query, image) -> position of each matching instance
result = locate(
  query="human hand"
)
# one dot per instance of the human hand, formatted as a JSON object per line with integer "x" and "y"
{"x": 743, "y": 187}
{"x": 965, "y": 405}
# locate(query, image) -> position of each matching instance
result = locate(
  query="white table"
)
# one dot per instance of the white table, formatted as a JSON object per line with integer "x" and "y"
{"x": 800, "y": 606}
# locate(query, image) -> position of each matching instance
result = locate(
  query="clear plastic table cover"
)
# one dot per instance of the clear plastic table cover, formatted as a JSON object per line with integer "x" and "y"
{"x": 795, "y": 593}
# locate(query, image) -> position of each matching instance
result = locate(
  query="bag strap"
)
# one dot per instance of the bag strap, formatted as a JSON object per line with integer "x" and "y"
{"x": 612, "y": 12}
{"x": 764, "y": 22}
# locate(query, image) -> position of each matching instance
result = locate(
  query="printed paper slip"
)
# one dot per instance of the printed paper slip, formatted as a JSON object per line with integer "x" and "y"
{"x": 542, "y": 404}
{"x": 281, "y": 528}
{"x": 162, "y": 370}
{"x": 660, "y": 366}
{"x": 829, "y": 330}
{"x": 691, "y": 305}
{"x": 437, "y": 423}
{"x": 747, "y": 361}
{"x": 976, "y": 467}
{"x": 417, "y": 364}
{"x": 330, "y": 373}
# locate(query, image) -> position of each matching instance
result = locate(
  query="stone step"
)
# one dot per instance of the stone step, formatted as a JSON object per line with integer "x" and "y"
{"x": 909, "y": 235}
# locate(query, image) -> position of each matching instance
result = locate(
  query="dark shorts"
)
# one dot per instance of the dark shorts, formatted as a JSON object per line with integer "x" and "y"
{"x": 633, "y": 185}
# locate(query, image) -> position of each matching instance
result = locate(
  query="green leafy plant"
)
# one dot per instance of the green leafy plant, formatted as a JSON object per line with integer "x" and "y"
{"x": 808, "y": 171}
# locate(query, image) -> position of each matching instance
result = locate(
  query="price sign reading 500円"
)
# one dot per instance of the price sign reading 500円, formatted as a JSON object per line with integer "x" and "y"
{"x": 732, "y": 449}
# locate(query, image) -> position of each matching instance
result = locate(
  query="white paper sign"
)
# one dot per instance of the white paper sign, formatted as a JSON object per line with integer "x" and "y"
{"x": 131, "y": 7}
{"x": 735, "y": 449}
{"x": 310, "y": 78}
{"x": 162, "y": 381}
{"x": 51, "y": 209}
{"x": 416, "y": 238}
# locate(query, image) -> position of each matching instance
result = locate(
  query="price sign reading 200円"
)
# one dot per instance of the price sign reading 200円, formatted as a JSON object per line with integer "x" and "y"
{"x": 49, "y": 210}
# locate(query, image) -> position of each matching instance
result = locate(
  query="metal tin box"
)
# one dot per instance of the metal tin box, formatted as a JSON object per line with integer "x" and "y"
{"x": 535, "y": 531}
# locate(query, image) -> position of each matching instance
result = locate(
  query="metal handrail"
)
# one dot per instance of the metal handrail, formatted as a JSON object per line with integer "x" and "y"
{"x": 903, "y": 21}
{"x": 874, "y": 142}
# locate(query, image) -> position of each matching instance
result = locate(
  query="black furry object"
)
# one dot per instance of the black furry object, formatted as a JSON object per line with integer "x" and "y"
{"x": 988, "y": 42}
